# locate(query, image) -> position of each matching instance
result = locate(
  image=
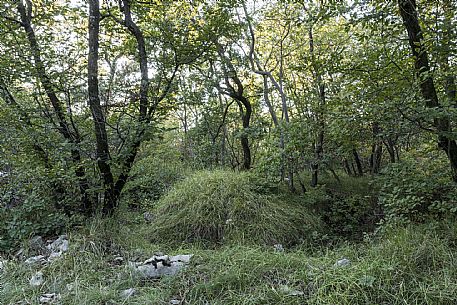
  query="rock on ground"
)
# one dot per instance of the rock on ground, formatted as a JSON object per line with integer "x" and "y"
{"x": 159, "y": 266}
{"x": 343, "y": 262}
{"x": 37, "y": 279}
{"x": 52, "y": 251}
{"x": 128, "y": 293}
{"x": 36, "y": 259}
{"x": 49, "y": 298}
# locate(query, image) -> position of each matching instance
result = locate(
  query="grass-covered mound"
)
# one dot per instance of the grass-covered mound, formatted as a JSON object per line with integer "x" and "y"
{"x": 229, "y": 207}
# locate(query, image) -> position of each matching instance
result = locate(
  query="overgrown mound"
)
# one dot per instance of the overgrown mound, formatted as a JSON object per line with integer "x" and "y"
{"x": 215, "y": 207}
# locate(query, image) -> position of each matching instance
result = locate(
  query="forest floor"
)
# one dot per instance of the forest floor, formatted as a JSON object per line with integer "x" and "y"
{"x": 412, "y": 265}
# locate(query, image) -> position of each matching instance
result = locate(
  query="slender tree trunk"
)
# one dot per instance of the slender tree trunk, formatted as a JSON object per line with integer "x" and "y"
{"x": 353, "y": 169}
{"x": 447, "y": 39}
{"x": 103, "y": 156}
{"x": 408, "y": 12}
{"x": 246, "y": 117}
{"x": 347, "y": 167}
{"x": 376, "y": 154}
{"x": 390, "y": 146}
{"x": 237, "y": 93}
{"x": 357, "y": 162}
{"x": 143, "y": 118}
{"x": 319, "y": 147}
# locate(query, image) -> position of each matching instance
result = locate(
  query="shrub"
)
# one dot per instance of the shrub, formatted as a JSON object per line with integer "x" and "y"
{"x": 348, "y": 207}
{"x": 28, "y": 209}
{"x": 153, "y": 175}
{"x": 412, "y": 191}
{"x": 223, "y": 207}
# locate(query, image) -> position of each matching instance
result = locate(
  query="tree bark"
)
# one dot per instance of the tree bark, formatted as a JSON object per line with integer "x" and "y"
{"x": 376, "y": 153}
{"x": 143, "y": 118}
{"x": 347, "y": 167}
{"x": 236, "y": 92}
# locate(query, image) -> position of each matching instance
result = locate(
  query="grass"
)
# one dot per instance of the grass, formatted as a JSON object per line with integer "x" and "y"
{"x": 224, "y": 207}
{"x": 412, "y": 265}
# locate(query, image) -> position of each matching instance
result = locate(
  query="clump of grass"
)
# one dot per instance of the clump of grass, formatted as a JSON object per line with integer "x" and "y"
{"x": 222, "y": 207}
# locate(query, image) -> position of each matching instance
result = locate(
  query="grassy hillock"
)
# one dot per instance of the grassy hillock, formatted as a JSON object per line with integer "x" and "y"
{"x": 223, "y": 207}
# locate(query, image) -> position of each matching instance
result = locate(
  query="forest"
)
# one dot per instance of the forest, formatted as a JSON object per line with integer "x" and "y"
{"x": 228, "y": 152}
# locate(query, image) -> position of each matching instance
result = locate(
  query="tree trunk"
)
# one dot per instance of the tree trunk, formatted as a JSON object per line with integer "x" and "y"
{"x": 409, "y": 15}
{"x": 347, "y": 167}
{"x": 319, "y": 147}
{"x": 390, "y": 146}
{"x": 246, "y": 117}
{"x": 447, "y": 39}
{"x": 103, "y": 156}
{"x": 357, "y": 162}
{"x": 237, "y": 93}
{"x": 376, "y": 153}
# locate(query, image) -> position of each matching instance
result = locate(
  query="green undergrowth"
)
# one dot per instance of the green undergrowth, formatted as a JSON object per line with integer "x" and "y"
{"x": 348, "y": 207}
{"x": 409, "y": 266}
{"x": 412, "y": 265}
{"x": 224, "y": 207}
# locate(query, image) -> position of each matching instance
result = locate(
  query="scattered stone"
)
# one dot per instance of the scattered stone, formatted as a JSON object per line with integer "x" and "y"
{"x": 148, "y": 217}
{"x": 184, "y": 258}
{"x": 37, "y": 279}
{"x": 127, "y": 293}
{"x": 343, "y": 262}
{"x": 278, "y": 248}
{"x": 54, "y": 255}
{"x": 49, "y": 298}
{"x": 36, "y": 259}
{"x": 289, "y": 291}
{"x": 164, "y": 259}
{"x": 175, "y": 302}
{"x": 2, "y": 264}
{"x": 229, "y": 221}
{"x": 159, "y": 266}
{"x": 155, "y": 272}
{"x": 59, "y": 245}
{"x": 52, "y": 251}
{"x": 118, "y": 260}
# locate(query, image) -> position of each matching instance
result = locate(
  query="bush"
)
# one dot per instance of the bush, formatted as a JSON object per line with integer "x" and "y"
{"x": 27, "y": 209}
{"x": 412, "y": 192}
{"x": 153, "y": 175}
{"x": 224, "y": 207}
{"x": 349, "y": 207}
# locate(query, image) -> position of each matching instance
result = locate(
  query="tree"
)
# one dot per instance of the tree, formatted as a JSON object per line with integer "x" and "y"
{"x": 408, "y": 12}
